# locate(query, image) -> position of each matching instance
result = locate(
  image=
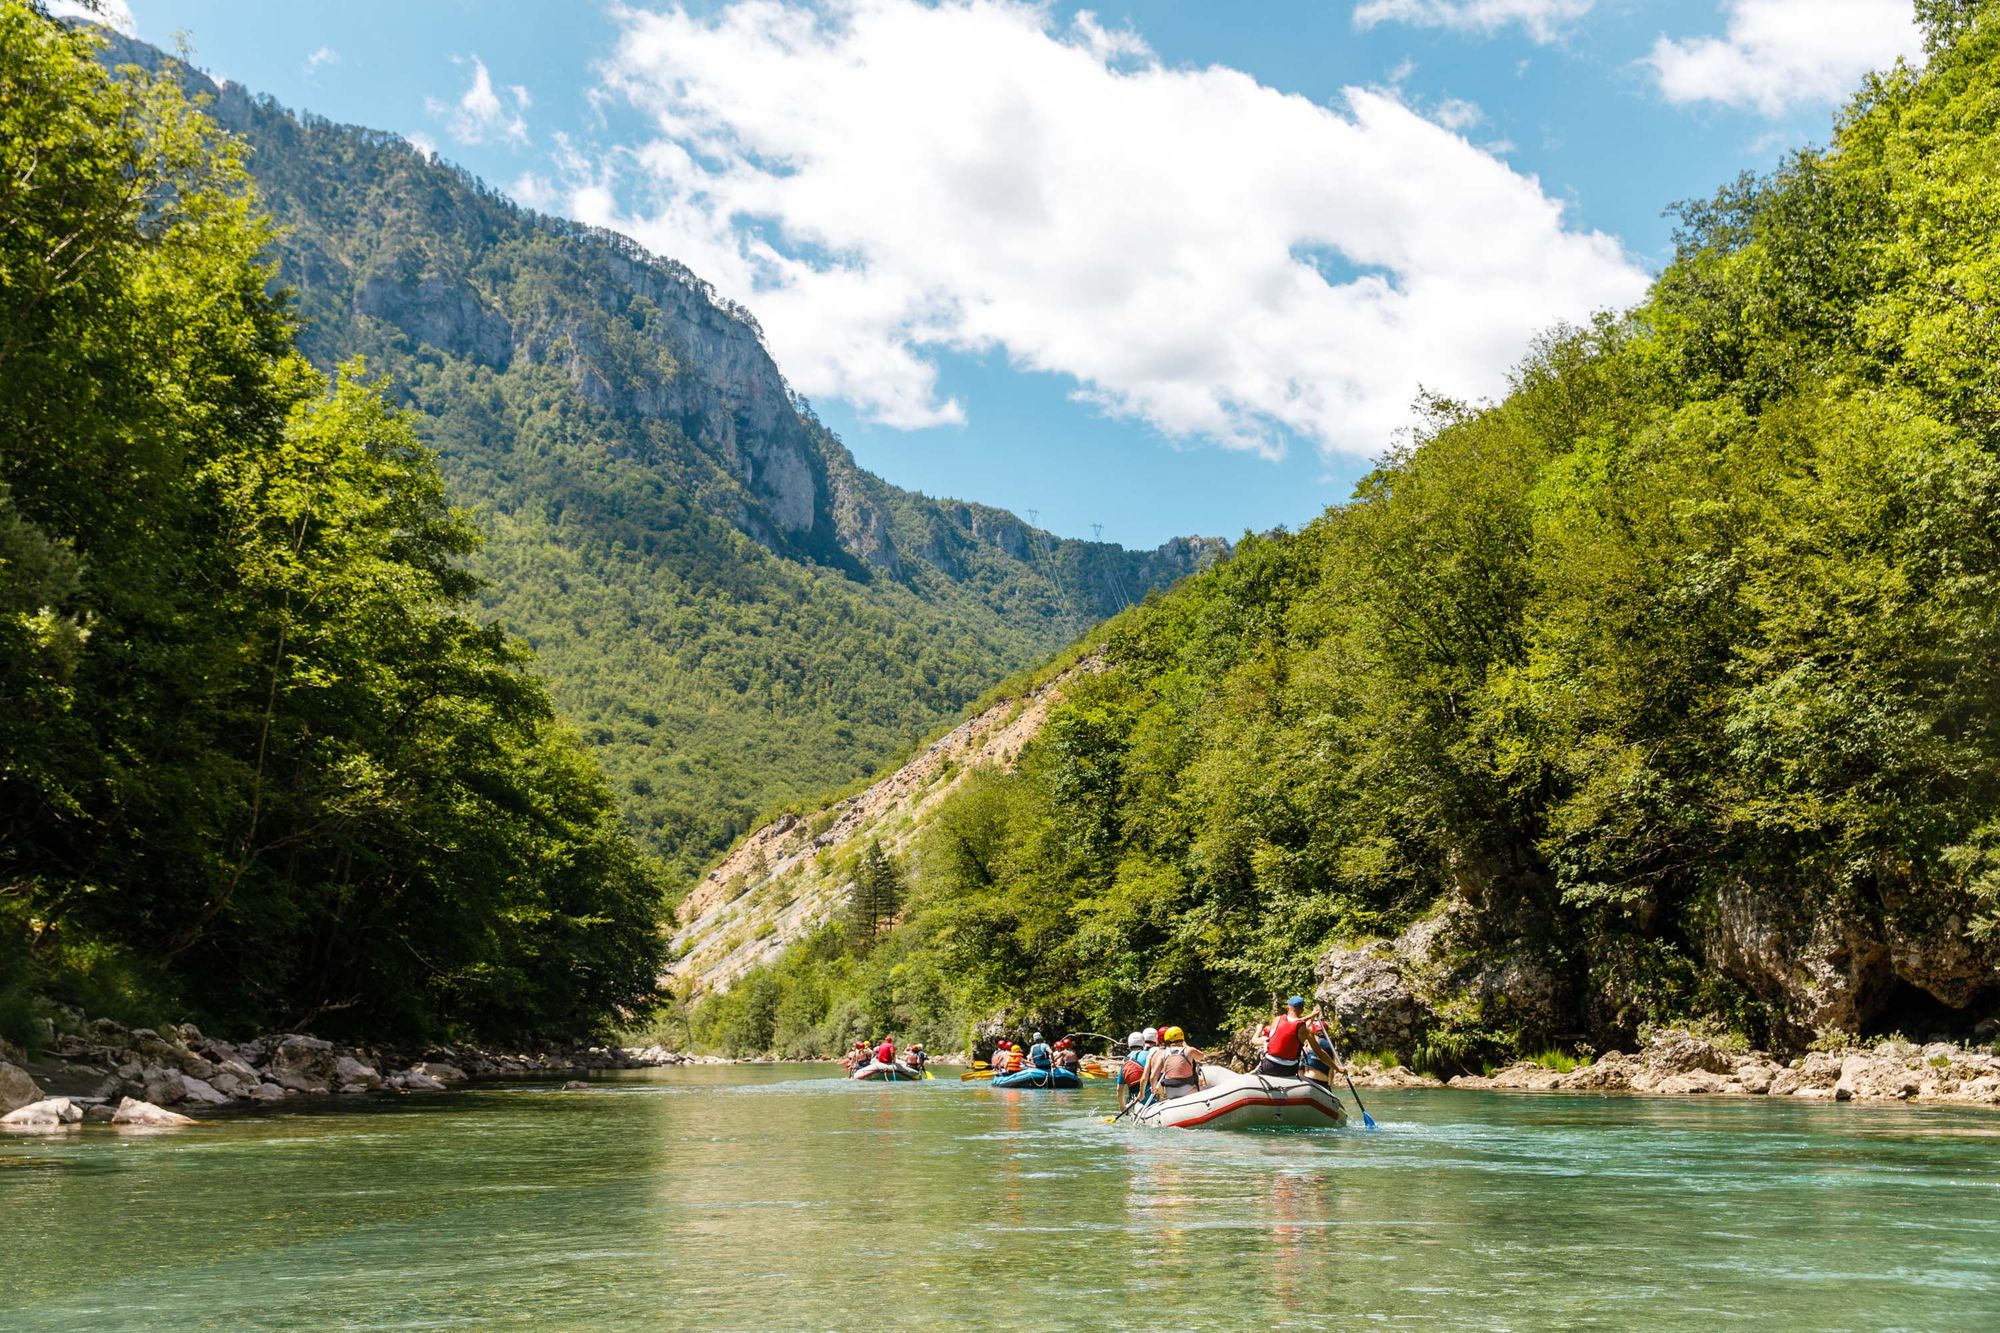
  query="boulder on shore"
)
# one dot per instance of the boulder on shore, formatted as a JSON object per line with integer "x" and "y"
{"x": 134, "y": 1112}
{"x": 16, "y": 1088}
{"x": 350, "y": 1075}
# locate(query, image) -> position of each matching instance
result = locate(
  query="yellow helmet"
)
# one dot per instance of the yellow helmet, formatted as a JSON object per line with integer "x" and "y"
{"x": 1173, "y": 1034}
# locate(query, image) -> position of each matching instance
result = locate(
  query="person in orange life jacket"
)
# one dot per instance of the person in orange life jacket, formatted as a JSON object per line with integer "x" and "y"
{"x": 1015, "y": 1063}
{"x": 1174, "y": 1070}
{"x": 1287, "y": 1041}
{"x": 1039, "y": 1054}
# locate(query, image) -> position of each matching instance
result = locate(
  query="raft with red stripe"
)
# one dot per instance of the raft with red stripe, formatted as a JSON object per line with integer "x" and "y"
{"x": 1248, "y": 1101}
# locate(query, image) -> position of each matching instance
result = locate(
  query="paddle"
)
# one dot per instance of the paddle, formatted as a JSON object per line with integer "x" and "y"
{"x": 1366, "y": 1119}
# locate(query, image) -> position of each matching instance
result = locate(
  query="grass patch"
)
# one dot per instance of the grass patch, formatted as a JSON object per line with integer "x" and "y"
{"x": 1561, "y": 1062}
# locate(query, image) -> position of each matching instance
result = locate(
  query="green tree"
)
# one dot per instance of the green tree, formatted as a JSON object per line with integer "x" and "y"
{"x": 876, "y": 897}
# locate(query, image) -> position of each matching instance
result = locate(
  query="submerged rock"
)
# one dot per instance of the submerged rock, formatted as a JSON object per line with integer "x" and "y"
{"x": 132, "y": 1111}
{"x": 49, "y": 1113}
{"x": 416, "y": 1080}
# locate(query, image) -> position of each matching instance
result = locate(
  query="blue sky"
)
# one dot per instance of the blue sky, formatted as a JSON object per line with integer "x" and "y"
{"x": 1167, "y": 266}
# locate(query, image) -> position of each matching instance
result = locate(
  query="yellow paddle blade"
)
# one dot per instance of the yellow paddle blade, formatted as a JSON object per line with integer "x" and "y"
{"x": 975, "y": 1074}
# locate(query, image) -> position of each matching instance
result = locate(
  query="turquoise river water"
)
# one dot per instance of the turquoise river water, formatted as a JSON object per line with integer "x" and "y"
{"x": 752, "y": 1197}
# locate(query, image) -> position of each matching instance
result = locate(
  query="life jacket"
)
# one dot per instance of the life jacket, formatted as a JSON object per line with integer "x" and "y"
{"x": 1039, "y": 1055}
{"x": 1287, "y": 1040}
{"x": 1014, "y": 1062}
{"x": 886, "y": 1053}
{"x": 1131, "y": 1071}
{"x": 1313, "y": 1057}
{"x": 1177, "y": 1066}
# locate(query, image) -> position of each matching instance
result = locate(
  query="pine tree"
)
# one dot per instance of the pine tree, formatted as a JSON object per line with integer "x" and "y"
{"x": 876, "y": 896}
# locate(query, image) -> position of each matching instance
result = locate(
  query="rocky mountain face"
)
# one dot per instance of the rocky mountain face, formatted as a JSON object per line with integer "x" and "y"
{"x": 796, "y": 873}
{"x": 734, "y": 613}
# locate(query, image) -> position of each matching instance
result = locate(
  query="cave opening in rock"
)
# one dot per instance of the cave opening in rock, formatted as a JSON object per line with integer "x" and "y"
{"x": 1914, "y": 1012}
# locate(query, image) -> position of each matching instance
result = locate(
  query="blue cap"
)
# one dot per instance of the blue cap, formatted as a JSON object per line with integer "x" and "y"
{"x": 1296, "y": 1002}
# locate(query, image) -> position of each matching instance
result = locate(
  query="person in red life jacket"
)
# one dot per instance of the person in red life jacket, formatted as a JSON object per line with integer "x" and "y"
{"x": 886, "y": 1052}
{"x": 1287, "y": 1041}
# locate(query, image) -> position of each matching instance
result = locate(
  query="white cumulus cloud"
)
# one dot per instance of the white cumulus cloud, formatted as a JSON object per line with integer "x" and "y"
{"x": 325, "y": 55}
{"x": 884, "y": 180}
{"x": 1776, "y": 54}
{"x": 482, "y": 114}
{"x": 1542, "y": 20}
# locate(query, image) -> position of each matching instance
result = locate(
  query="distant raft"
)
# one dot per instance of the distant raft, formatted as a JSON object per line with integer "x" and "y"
{"x": 1039, "y": 1078}
{"x": 1248, "y": 1101}
{"x": 893, "y": 1072}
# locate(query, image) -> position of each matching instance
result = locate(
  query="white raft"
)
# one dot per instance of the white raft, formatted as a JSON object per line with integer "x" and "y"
{"x": 1248, "y": 1101}
{"x": 894, "y": 1072}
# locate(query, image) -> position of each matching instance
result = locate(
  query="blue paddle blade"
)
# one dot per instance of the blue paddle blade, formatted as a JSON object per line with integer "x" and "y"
{"x": 1369, "y": 1121}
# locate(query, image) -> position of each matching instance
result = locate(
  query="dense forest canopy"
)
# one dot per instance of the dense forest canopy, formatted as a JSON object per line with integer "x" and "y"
{"x": 1664, "y": 681}
{"x": 260, "y": 761}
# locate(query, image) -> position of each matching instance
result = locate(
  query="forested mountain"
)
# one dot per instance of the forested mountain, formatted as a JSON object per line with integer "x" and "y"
{"x": 261, "y": 762}
{"x": 733, "y": 613}
{"x": 1665, "y": 690}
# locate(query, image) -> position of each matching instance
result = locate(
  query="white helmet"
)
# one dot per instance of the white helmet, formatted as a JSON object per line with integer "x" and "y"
{"x": 1136, "y": 1039}
{"x": 1151, "y": 1036}
{"x": 1038, "y": 1036}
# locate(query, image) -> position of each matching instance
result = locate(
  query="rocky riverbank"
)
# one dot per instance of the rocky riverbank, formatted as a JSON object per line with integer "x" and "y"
{"x": 1676, "y": 1062}
{"x": 99, "y": 1070}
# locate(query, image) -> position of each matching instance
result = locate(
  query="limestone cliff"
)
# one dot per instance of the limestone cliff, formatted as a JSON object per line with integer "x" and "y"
{"x": 795, "y": 873}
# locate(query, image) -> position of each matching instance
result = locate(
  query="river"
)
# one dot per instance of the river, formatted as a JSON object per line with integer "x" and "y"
{"x": 758, "y": 1196}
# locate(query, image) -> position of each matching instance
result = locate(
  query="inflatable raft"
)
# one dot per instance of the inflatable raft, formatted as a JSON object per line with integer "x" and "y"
{"x": 894, "y": 1072}
{"x": 1248, "y": 1101}
{"x": 1038, "y": 1078}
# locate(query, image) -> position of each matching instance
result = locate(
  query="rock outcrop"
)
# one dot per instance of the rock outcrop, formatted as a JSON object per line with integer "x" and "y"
{"x": 1386, "y": 995}
{"x": 1677, "y": 1062}
{"x": 790, "y": 876}
{"x": 90, "y": 1064}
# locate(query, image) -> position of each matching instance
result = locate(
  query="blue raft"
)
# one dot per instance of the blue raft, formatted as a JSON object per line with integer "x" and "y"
{"x": 1039, "y": 1078}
